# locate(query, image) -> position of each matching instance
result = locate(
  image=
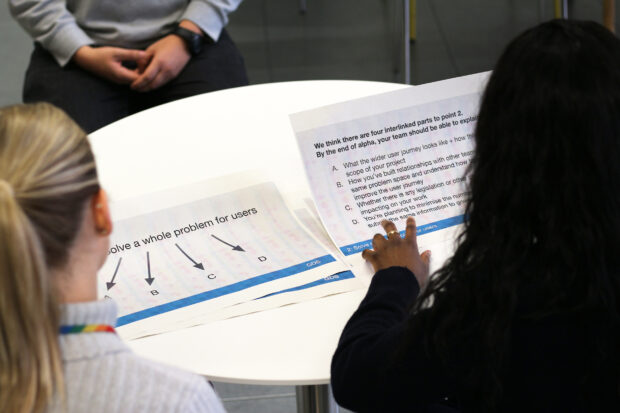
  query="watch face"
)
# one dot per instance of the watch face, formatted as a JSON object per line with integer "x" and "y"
{"x": 193, "y": 41}
{"x": 196, "y": 44}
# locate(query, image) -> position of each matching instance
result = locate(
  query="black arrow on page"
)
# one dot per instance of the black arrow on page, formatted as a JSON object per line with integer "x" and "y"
{"x": 234, "y": 247}
{"x": 196, "y": 264}
{"x": 112, "y": 283}
{"x": 148, "y": 264}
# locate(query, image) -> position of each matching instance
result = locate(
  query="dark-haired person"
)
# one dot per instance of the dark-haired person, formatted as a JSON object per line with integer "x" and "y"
{"x": 58, "y": 348}
{"x": 525, "y": 317}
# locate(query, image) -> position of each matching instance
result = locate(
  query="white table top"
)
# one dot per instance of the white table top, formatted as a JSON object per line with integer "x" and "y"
{"x": 216, "y": 134}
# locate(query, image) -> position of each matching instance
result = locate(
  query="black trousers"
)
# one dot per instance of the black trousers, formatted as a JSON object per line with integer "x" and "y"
{"x": 94, "y": 102}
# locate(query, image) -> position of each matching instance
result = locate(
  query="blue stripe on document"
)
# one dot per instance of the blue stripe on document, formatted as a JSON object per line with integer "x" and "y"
{"x": 345, "y": 275}
{"x": 424, "y": 229}
{"x": 219, "y": 292}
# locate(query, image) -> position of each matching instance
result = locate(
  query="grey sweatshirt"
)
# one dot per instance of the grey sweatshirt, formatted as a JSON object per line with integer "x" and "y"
{"x": 103, "y": 375}
{"x": 63, "y": 26}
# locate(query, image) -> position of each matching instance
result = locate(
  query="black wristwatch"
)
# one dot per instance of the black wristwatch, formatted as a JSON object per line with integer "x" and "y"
{"x": 192, "y": 40}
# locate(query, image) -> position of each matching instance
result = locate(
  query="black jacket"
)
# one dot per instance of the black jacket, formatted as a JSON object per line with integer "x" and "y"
{"x": 548, "y": 361}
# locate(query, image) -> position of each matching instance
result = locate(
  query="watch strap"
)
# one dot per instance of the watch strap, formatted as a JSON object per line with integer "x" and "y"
{"x": 192, "y": 39}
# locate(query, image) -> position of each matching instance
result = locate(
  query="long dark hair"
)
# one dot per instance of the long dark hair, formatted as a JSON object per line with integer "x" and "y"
{"x": 543, "y": 227}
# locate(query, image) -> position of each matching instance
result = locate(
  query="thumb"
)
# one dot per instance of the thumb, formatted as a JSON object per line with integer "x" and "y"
{"x": 144, "y": 61}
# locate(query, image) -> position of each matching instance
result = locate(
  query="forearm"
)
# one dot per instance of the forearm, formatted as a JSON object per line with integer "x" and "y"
{"x": 379, "y": 365}
{"x": 385, "y": 305}
{"x": 370, "y": 340}
{"x": 211, "y": 16}
{"x": 51, "y": 24}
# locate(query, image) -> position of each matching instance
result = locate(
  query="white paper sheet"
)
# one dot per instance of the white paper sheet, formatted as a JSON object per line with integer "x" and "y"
{"x": 181, "y": 256}
{"x": 390, "y": 156}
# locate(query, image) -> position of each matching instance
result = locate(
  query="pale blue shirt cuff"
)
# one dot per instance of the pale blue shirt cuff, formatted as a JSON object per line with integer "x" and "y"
{"x": 210, "y": 16}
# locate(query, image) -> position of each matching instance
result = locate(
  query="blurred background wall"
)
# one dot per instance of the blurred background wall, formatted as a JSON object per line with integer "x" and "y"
{"x": 284, "y": 40}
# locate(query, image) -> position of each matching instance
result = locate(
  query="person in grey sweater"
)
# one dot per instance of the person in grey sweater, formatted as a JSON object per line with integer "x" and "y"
{"x": 132, "y": 384}
{"x": 100, "y": 61}
{"x": 59, "y": 351}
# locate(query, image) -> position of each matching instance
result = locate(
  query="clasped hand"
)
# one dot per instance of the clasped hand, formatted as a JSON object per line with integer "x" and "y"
{"x": 396, "y": 251}
{"x": 157, "y": 65}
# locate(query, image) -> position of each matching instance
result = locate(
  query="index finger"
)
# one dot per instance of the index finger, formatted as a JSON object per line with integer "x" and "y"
{"x": 129, "y": 54}
{"x": 143, "y": 63}
{"x": 411, "y": 230}
{"x": 159, "y": 80}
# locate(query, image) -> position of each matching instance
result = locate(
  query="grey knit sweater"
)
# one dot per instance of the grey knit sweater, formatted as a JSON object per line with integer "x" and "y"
{"x": 103, "y": 375}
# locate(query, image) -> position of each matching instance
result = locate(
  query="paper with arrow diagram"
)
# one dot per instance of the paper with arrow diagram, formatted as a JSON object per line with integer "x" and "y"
{"x": 175, "y": 260}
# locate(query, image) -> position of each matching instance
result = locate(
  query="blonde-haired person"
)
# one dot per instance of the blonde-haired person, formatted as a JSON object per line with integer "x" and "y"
{"x": 54, "y": 227}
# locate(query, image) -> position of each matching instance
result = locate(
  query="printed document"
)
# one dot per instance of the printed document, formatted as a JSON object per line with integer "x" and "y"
{"x": 390, "y": 156}
{"x": 175, "y": 260}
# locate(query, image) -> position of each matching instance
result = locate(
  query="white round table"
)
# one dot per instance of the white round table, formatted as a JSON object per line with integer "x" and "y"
{"x": 217, "y": 134}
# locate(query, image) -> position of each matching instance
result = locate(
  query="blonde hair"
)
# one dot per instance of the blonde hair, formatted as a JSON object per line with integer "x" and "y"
{"x": 47, "y": 174}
